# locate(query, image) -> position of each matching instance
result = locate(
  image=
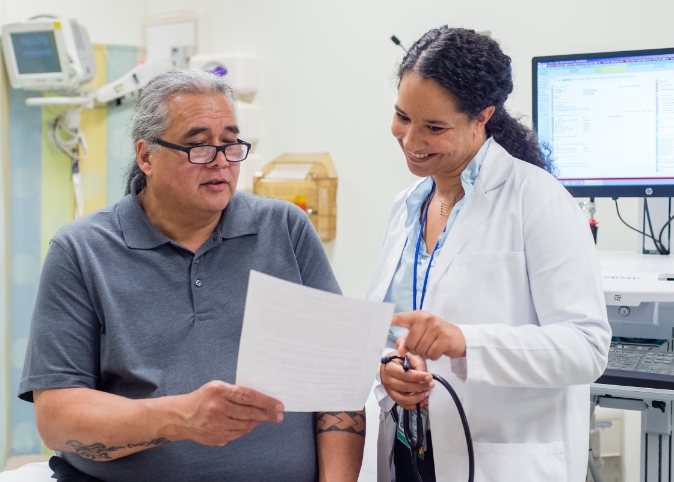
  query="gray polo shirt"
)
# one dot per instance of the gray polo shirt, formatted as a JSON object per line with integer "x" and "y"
{"x": 123, "y": 309}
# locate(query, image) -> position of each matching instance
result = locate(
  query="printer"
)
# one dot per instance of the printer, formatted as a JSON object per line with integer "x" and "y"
{"x": 639, "y": 293}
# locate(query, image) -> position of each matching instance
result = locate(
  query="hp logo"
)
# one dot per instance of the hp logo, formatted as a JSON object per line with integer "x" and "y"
{"x": 649, "y": 191}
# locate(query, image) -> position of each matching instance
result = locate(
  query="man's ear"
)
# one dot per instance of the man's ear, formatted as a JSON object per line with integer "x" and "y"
{"x": 144, "y": 157}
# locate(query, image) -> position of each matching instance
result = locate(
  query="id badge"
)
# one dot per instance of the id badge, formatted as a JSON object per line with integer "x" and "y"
{"x": 413, "y": 429}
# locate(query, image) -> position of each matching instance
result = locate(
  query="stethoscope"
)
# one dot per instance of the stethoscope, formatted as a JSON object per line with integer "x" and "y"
{"x": 416, "y": 440}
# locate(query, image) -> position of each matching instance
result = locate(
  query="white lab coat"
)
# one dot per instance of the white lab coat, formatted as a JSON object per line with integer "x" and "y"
{"x": 519, "y": 275}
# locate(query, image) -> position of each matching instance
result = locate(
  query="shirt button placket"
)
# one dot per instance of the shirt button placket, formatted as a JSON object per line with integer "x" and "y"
{"x": 196, "y": 277}
{"x": 197, "y": 270}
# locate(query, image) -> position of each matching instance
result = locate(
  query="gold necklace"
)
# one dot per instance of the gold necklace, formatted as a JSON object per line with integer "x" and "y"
{"x": 446, "y": 208}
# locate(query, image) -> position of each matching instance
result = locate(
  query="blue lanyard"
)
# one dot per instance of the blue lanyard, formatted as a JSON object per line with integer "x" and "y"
{"x": 416, "y": 257}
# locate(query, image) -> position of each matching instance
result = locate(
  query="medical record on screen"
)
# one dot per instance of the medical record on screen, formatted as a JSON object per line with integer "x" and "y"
{"x": 36, "y": 52}
{"x": 609, "y": 121}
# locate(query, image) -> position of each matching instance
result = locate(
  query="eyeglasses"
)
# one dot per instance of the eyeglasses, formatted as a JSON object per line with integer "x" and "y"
{"x": 205, "y": 154}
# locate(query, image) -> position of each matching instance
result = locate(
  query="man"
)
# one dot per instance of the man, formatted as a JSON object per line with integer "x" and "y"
{"x": 135, "y": 335}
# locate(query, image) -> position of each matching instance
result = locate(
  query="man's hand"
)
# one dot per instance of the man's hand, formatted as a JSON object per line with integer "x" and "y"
{"x": 407, "y": 388}
{"x": 429, "y": 337}
{"x": 221, "y": 412}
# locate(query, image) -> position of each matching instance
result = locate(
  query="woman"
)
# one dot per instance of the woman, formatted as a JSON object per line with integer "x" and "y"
{"x": 491, "y": 266}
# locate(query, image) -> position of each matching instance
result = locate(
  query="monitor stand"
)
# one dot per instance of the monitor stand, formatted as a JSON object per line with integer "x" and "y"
{"x": 656, "y": 425}
{"x": 657, "y": 211}
{"x": 591, "y": 208}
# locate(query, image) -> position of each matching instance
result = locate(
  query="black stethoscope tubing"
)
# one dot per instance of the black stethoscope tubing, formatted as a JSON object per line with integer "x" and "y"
{"x": 416, "y": 442}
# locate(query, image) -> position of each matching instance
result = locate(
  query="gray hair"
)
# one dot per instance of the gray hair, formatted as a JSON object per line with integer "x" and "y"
{"x": 150, "y": 117}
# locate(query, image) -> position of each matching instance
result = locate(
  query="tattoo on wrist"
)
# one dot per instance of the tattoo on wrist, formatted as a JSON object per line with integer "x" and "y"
{"x": 99, "y": 451}
{"x": 350, "y": 422}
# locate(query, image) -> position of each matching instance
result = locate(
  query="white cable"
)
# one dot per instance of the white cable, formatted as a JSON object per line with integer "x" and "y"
{"x": 68, "y": 123}
{"x": 79, "y": 195}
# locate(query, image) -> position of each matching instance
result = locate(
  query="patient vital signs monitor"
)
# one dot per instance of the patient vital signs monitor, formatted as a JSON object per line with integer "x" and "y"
{"x": 609, "y": 120}
{"x": 53, "y": 54}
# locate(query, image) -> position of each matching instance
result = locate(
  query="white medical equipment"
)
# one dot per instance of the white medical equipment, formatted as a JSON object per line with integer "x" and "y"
{"x": 55, "y": 54}
{"x": 127, "y": 86}
{"x": 52, "y": 54}
{"x": 639, "y": 294}
{"x": 241, "y": 70}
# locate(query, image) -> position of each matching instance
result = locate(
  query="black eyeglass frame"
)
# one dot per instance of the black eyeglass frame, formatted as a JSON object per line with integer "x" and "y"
{"x": 222, "y": 148}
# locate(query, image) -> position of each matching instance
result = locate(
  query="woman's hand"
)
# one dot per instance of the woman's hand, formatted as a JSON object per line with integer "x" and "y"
{"x": 429, "y": 336}
{"x": 407, "y": 388}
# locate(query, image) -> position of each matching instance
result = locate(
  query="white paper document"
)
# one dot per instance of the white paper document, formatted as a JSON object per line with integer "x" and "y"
{"x": 312, "y": 350}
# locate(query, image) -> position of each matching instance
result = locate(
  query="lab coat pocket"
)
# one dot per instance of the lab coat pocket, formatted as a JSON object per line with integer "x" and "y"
{"x": 520, "y": 462}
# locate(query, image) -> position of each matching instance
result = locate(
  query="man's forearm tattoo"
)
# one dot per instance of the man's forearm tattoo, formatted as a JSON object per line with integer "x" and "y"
{"x": 350, "y": 422}
{"x": 99, "y": 451}
{"x": 155, "y": 442}
{"x": 95, "y": 451}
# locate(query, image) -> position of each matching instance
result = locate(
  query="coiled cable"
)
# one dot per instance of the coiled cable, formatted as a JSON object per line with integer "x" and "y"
{"x": 416, "y": 442}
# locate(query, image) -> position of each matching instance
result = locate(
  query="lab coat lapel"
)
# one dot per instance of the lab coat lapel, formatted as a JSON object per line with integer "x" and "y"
{"x": 391, "y": 252}
{"x": 394, "y": 243}
{"x": 475, "y": 211}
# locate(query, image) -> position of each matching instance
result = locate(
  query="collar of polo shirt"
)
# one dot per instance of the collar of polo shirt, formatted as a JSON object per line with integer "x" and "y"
{"x": 139, "y": 233}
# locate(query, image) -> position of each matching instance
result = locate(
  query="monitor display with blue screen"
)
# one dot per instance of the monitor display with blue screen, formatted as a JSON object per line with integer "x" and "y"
{"x": 36, "y": 52}
{"x": 609, "y": 120}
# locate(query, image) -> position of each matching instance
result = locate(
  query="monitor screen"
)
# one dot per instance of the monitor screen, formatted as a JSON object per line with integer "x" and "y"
{"x": 36, "y": 52}
{"x": 609, "y": 120}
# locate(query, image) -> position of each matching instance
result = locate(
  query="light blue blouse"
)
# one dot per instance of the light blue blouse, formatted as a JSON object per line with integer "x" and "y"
{"x": 400, "y": 289}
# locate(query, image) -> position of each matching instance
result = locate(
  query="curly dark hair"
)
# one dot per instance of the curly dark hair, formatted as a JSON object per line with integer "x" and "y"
{"x": 476, "y": 72}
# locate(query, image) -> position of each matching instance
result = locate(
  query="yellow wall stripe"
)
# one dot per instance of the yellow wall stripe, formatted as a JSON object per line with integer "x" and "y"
{"x": 94, "y": 126}
{"x": 58, "y": 198}
{"x": 58, "y": 202}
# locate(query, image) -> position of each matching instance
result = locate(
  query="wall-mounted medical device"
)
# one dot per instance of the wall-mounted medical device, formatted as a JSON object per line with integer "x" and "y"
{"x": 307, "y": 180}
{"x": 52, "y": 54}
{"x": 56, "y": 55}
{"x": 249, "y": 120}
{"x": 240, "y": 70}
{"x": 128, "y": 86}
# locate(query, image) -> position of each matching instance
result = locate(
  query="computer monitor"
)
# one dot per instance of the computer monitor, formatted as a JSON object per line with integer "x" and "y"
{"x": 609, "y": 121}
{"x": 48, "y": 54}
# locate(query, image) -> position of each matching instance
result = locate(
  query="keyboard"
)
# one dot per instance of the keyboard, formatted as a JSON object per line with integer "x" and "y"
{"x": 647, "y": 366}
